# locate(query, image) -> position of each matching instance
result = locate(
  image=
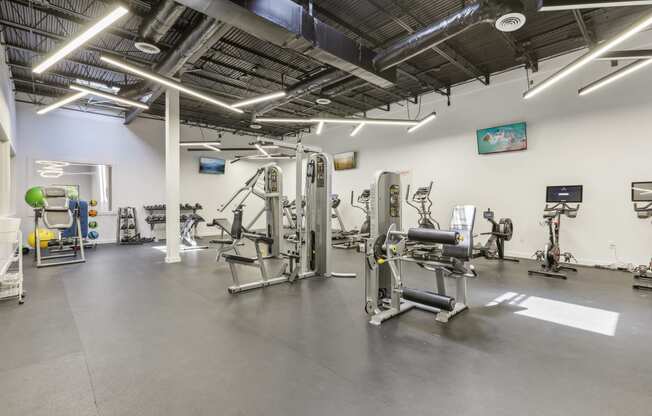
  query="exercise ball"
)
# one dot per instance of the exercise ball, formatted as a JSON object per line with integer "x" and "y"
{"x": 92, "y": 213}
{"x": 35, "y": 197}
{"x": 44, "y": 236}
{"x": 92, "y": 224}
{"x": 93, "y": 235}
{"x": 92, "y": 203}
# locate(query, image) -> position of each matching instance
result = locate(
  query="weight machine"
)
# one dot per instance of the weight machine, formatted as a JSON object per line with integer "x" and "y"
{"x": 551, "y": 256}
{"x": 642, "y": 192}
{"x": 422, "y": 203}
{"x": 446, "y": 253}
{"x": 310, "y": 247}
{"x": 501, "y": 231}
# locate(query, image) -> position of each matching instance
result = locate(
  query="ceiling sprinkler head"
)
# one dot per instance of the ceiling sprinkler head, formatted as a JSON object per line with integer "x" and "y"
{"x": 147, "y": 48}
{"x": 510, "y": 22}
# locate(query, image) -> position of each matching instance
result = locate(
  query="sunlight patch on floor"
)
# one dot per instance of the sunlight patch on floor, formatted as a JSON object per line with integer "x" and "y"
{"x": 596, "y": 320}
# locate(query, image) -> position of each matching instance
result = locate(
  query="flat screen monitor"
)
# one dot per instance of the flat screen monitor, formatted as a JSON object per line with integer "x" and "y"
{"x": 566, "y": 193}
{"x": 211, "y": 165}
{"x": 641, "y": 191}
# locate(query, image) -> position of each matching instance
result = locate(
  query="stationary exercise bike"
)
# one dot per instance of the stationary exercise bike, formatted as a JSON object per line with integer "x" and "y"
{"x": 422, "y": 203}
{"x": 501, "y": 231}
{"x": 551, "y": 256}
{"x": 642, "y": 192}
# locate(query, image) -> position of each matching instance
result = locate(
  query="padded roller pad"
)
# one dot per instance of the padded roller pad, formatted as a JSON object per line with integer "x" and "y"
{"x": 426, "y": 235}
{"x": 428, "y": 298}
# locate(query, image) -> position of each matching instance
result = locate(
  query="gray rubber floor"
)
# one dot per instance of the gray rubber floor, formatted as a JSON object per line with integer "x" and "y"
{"x": 126, "y": 334}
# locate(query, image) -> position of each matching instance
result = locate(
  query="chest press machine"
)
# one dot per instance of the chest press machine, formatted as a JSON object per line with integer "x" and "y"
{"x": 444, "y": 252}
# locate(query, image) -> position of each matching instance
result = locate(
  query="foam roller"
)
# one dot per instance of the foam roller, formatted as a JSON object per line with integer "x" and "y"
{"x": 428, "y": 298}
{"x": 426, "y": 235}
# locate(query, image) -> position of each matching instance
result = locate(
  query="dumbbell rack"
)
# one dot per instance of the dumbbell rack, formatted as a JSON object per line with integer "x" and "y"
{"x": 128, "y": 228}
{"x": 160, "y": 218}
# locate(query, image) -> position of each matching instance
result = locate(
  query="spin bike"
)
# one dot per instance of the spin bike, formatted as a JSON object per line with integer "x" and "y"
{"x": 501, "y": 231}
{"x": 422, "y": 203}
{"x": 550, "y": 257}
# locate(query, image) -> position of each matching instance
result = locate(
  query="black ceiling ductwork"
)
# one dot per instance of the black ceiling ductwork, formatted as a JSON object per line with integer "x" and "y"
{"x": 287, "y": 24}
{"x": 552, "y": 5}
{"x": 323, "y": 79}
{"x": 505, "y": 16}
{"x": 160, "y": 21}
{"x": 193, "y": 45}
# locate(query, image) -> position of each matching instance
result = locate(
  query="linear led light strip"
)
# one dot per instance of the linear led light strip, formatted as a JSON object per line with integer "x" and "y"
{"x": 357, "y": 129}
{"x": 260, "y": 148}
{"x": 87, "y": 35}
{"x": 61, "y": 103}
{"x": 423, "y": 122}
{"x": 208, "y": 145}
{"x": 585, "y": 59}
{"x": 108, "y": 96}
{"x": 259, "y": 99}
{"x": 573, "y": 5}
{"x": 376, "y": 121}
{"x": 168, "y": 83}
{"x": 614, "y": 76}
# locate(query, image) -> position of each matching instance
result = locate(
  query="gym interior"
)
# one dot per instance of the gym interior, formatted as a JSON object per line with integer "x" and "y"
{"x": 319, "y": 207}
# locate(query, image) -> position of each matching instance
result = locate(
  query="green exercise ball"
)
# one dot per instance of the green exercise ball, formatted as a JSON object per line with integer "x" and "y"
{"x": 92, "y": 224}
{"x": 35, "y": 197}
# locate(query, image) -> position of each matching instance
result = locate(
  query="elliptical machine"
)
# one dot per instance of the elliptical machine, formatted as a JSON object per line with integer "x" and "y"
{"x": 422, "y": 203}
{"x": 551, "y": 256}
{"x": 642, "y": 192}
{"x": 363, "y": 205}
{"x": 501, "y": 231}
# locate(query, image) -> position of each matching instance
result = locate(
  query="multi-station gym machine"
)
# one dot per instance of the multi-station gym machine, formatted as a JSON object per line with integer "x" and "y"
{"x": 307, "y": 253}
{"x": 642, "y": 193}
{"x": 551, "y": 256}
{"x": 444, "y": 252}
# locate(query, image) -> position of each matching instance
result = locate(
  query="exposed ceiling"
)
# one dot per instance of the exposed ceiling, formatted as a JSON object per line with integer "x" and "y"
{"x": 233, "y": 64}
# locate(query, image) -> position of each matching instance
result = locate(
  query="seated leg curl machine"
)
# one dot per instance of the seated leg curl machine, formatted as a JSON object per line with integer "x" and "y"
{"x": 551, "y": 255}
{"x": 642, "y": 192}
{"x": 446, "y": 253}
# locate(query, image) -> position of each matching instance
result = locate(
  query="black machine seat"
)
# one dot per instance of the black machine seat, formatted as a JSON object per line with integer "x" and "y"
{"x": 232, "y": 258}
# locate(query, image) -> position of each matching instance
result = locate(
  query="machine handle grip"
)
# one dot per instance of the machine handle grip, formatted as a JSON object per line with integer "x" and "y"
{"x": 428, "y": 235}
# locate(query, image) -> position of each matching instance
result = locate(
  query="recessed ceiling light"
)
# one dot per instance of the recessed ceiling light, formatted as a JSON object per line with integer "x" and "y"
{"x": 323, "y": 101}
{"x": 147, "y": 48}
{"x": 255, "y": 126}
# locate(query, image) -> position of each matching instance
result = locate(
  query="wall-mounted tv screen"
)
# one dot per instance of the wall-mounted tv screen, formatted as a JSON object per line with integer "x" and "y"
{"x": 641, "y": 191}
{"x": 345, "y": 160}
{"x": 567, "y": 193}
{"x": 211, "y": 165}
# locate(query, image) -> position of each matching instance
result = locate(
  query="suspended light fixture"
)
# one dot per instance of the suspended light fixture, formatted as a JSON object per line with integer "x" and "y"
{"x": 320, "y": 127}
{"x": 84, "y": 37}
{"x": 614, "y": 76}
{"x": 109, "y": 96}
{"x": 259, "y": 99}
{"x": 168, "y": 83}
{"x": 62, "y": 102}
{"x": 357, "y": 129}
{"x": 423, "y": 122}
{"x": 590, "y": 56}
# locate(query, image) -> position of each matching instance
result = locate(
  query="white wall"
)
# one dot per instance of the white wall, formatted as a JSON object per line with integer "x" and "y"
{"x": 7, "y": 134}
{"x": 136, "y": 154}
{"x": 601, "y": 141}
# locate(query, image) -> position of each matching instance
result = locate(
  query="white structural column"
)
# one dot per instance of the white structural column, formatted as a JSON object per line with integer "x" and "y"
{"x": 172, "y": 174}
{"x": 5, "y": 178}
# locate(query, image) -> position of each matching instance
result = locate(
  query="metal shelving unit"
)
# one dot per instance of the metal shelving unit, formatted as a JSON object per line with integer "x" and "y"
{"x": 11, "y": 260}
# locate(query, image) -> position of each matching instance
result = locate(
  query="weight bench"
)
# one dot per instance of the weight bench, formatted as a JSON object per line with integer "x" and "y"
{"x": 226, "y": 244}
{"x": 259, "y": 262}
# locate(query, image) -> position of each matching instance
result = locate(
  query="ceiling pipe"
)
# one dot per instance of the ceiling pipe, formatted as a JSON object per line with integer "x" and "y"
{"x": 160, "y": 21}
{"x": 193, "y": 44}
{"x": 303, "y": 88}
{"x": 504, "y": 15}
